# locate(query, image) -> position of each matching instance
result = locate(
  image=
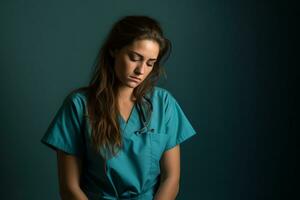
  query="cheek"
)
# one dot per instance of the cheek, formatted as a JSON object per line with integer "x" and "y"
{"x": 128, "y": 67}
{"x": 123, "y": 67}
{"x": 149, "y": 71}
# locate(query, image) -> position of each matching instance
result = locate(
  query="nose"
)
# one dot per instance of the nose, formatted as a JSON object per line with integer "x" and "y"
{"x": 140, "y": 69}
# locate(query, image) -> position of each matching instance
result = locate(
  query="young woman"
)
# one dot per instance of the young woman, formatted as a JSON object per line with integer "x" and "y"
{"x": 118, "y": 138}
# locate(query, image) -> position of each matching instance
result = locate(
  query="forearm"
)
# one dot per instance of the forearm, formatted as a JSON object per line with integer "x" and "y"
{"x": 167, "y": 190}
{"x": 74, "y": 194}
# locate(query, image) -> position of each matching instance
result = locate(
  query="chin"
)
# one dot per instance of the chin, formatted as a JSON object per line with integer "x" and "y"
{"x": 132, "y": 85}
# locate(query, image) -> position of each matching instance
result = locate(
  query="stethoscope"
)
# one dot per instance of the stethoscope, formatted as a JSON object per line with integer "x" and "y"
{"x": 145, "y": 119}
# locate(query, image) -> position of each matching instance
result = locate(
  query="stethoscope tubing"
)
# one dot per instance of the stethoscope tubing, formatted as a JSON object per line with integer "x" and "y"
{"x": 145, "y": 121}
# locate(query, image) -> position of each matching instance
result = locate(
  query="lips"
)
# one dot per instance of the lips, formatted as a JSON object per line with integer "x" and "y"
{"x": 135, "y": 78}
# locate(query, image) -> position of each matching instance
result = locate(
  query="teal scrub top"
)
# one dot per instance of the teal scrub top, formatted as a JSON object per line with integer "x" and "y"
{"x": 135, "y": 172}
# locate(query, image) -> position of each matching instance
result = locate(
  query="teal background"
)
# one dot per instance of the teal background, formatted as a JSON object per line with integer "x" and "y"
{"x": 228, "y": 70}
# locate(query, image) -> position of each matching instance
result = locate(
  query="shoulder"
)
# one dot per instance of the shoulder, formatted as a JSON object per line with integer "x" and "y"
{"x": 76, "y": 100}
{"x": 163, "y": 95}
{"x": 77, "y": 96}
{"x": 163, "y": 100}
{"x": 160, "y": 92}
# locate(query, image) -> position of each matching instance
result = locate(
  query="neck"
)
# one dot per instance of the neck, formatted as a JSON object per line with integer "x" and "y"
{"x": 125, "y": 94}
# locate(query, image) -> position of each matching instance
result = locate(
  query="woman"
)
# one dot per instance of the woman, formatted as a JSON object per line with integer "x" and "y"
{"x": 118, "y": 138}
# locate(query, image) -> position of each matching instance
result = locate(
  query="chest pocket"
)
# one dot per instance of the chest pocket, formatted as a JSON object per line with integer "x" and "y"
{"x": 148, "y": 143}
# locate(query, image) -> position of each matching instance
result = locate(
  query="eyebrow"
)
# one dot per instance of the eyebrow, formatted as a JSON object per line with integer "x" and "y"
{"x": 141, "y": 55}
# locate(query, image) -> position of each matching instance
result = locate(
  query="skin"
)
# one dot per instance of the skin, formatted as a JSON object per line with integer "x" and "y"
{"x": 135, "y": 60}
{"x": 170, "y": 175}
{"x": 69, "y": 170}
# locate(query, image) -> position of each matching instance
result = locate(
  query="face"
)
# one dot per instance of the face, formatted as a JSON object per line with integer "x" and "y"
{"x": 134, "y": 63}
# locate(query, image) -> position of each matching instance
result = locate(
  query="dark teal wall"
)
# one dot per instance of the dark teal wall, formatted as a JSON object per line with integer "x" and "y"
{"x": 228, "y": 71}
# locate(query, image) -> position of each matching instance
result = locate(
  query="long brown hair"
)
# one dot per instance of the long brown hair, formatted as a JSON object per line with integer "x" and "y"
{"x": 102, "y": 105}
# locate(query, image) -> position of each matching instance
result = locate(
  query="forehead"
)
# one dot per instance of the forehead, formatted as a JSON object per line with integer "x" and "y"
{"x": 147, "y": 48}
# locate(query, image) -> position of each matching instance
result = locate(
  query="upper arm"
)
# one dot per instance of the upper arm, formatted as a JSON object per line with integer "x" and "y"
{"x": 170, "y": 164}
{"x": 69, "y": 170}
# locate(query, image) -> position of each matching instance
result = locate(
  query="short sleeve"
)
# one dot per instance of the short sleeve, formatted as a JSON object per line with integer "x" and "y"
{"x": 178, "y": 126}
{"x": 65, "y": 132}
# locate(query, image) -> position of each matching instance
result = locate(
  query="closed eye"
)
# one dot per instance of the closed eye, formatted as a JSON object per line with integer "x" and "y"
{"x": 150, "y": 65}
{"x": 134, "y": 58}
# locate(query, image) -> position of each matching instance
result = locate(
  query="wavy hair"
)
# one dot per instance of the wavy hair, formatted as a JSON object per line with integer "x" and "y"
{"x": 102, "y": 103}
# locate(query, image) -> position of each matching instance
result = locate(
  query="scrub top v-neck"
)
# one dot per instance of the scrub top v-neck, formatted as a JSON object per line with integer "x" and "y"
{"x": 135, "y": 171}
{"x": 131, "y": 120}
